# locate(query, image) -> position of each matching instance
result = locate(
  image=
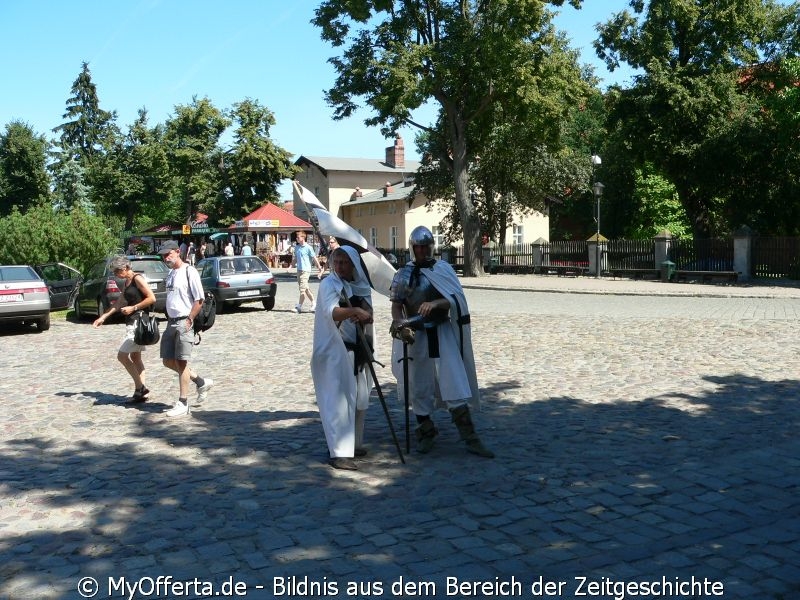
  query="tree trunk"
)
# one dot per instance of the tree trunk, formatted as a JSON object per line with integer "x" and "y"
{"x": 470, "y": 222}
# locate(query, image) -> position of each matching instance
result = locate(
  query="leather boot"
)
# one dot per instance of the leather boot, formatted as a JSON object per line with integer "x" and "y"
{"x": 360, "y": 417}
{"x": 425, "y": 434}
{"x": 463, "y": 420}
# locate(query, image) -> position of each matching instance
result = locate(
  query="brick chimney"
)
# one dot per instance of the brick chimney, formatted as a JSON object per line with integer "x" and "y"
{"x": 357, "y": 193}
{"x": 396, "y": 155}
{"x": 387, "y": 189}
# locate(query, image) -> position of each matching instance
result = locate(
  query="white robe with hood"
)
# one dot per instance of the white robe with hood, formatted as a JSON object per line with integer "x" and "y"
{"x": 339, "y": 393}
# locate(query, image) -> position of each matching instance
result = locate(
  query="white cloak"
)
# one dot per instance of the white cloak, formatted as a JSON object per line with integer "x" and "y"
{"x": 338, "y": 391}
{"x": 445, "y": 280}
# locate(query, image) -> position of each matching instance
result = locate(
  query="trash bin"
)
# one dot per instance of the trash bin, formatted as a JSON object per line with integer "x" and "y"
{"x": 667, "y": 270}
{"x": 494, "y": 265}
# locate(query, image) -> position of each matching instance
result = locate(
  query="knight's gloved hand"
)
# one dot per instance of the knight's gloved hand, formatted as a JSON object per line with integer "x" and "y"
{"x": 402, "y": 332}
{"x": 394, "y": 329}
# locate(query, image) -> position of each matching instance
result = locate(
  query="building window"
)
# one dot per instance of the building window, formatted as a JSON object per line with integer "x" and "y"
{"x": 518, "y": 236}
{"x": 438, "y": 238}
{"x": 393, "y": 236}
{"x": 392, "y": 208}
{"x": 372, "y": 209}
{"x": 358, "y": 211}
{"x": 373, "y": 236}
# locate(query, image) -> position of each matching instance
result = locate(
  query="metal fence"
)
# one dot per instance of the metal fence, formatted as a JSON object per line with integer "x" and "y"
{"x": 630, "y": 254}
{"x": 775, "y": 257}
{"x": 715, "y": 254}
{"x": 772, "y": 257}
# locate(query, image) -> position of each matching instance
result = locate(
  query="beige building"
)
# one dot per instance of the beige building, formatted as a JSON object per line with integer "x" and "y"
{"x": 374, "y": 197}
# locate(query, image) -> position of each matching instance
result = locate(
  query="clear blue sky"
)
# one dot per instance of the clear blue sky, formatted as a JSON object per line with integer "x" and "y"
{"x": 157, "y": 54}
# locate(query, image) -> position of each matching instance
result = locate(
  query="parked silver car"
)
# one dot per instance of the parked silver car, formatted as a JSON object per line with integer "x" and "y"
{"x": 235, "y": 280}
{"x": 24, "y": 297}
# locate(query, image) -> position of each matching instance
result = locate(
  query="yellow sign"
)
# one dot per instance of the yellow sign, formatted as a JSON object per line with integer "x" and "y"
{"x": 187, "y": 229}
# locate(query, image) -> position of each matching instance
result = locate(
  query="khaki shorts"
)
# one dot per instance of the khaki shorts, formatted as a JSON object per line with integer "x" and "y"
{"x": 176, "y": 342}
{"x": 302, "y": 280}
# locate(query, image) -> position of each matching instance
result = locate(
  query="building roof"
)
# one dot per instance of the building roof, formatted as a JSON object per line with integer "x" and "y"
{"x": 367, "y": 165}
{"x": 271, "y": 212}
{"x": 398, "y": 193}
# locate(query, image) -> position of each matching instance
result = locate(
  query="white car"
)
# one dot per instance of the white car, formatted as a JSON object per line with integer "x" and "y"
{"x": 24, "y": 296}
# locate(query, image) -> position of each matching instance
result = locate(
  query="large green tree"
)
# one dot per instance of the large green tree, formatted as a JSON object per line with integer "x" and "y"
{"x": 88, "y": 131}
{"x": 255, "y": 165}
{"x": 192, "y": 137}
{"x": 466, "y": 56}
{"x": 135, "y": 181}
{"x": 687, "y": 99}
{"x": 23, "y": 174}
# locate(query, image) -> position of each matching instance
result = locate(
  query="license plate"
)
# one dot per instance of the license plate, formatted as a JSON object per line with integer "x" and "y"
{"x": 11, "y": 298}
{"x": 154, "y": 286}
{"x": 248, "y": 293}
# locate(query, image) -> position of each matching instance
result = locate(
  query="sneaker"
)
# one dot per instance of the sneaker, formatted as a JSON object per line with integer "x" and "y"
{"x": 298, "y": 308}
{"x": 178, "y": 410}
{"x": 202, "y": 390}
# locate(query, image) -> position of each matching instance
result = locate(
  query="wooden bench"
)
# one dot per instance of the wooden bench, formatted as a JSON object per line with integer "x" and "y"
{"x": 705, "y": 276}
{"x": 571, "y": 270}
{"x": 636, "y": 273}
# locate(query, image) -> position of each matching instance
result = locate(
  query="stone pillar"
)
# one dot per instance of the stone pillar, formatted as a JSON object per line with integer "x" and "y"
{"x": 597, "y": 249}
{"x": 662, "y": 241}
{"x": 541, "y": 254}
{"x": 743, "y": 253}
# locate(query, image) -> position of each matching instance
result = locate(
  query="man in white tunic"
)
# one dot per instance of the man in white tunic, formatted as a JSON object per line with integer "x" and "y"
{"x": 429, "y": 306}
{"x": 342, "y": 381}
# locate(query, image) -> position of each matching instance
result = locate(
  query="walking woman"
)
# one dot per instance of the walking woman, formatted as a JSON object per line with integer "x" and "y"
{"x": 136, "y": 295}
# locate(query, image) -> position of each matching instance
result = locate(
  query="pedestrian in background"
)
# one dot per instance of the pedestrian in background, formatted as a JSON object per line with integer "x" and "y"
{"x": 302, "y": 257}
{"x": 339, "y": 362}
{"x": 136, "y": 295}
{"x": 247, "y": 250}
{"x": 184, "y": 300}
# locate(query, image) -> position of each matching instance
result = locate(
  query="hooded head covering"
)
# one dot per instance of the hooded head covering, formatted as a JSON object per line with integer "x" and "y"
{"x": 360, "y": 284}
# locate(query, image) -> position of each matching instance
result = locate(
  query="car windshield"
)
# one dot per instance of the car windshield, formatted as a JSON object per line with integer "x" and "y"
{"x": 18, "y": 273}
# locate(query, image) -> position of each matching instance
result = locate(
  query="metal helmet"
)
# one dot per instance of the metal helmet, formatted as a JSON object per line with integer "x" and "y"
{"x": 421, "y": 236}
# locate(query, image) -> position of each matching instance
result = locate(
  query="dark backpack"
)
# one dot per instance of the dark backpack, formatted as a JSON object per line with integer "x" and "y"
{"x": 204, "y": 320}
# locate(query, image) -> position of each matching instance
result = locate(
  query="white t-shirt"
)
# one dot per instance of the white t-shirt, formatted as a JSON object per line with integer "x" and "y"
{"x": 184, "y": 288}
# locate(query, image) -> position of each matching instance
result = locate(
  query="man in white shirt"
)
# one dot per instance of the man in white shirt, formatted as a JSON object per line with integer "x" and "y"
{"x": 184, "y": 299}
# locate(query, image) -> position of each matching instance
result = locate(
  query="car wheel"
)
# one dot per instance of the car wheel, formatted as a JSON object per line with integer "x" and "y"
{"x": 269, "y": 303}
{"x": 44, "y": 323}
{"x": 101, "y": 307}
{"x": 77, "y": 307}
{"x": 220, "y": 306}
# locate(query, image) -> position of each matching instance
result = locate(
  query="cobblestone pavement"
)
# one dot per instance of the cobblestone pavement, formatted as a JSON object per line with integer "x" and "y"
{"x": 644, "y": 438}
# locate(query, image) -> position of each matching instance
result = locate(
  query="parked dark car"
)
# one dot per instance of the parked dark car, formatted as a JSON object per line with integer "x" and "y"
{"x": 100, "y": 289}
{"x": 235, "y": 280}
{"x": 63, "y": 282}
{"x": 24, "y": 297}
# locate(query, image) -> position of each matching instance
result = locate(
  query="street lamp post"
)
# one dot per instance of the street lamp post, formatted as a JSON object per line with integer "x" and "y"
{"x": 597, "y": 190}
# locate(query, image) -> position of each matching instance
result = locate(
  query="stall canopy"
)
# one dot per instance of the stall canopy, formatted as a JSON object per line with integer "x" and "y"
{"x": 270, "y": 218}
